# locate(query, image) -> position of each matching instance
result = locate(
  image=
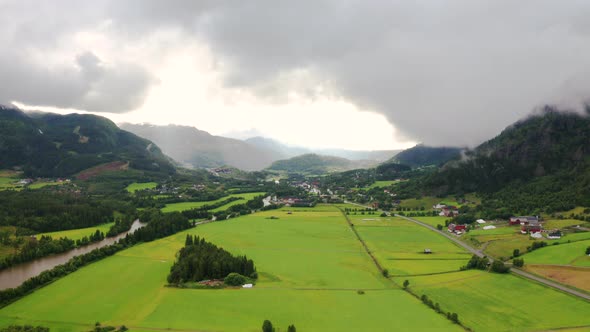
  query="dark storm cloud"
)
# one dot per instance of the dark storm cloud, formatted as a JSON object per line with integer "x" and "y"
{"x": 83, "y": 81}
{"x": 443, "y": 72}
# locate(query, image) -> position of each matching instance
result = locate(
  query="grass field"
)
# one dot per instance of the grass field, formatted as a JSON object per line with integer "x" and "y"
{"x": 41, "y": 184}
{"x": 194, "y": 205}
{"x": 399, "y": 247}
{"x": 75, "y": 234}
{"x": 140, "y": 186}
{"x": 433, "y": 221}
{"x": 561, "y": 223}
{"x": 493, "y": 302}
{"x": 563, "y": 254}
{"x": 7, "y": 182}
{"x": 310, "y": 265}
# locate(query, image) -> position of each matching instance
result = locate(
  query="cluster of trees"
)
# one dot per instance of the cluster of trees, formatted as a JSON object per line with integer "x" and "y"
{"x": 159, "y": 226}
{"x": 99, "y": 328}
{"x": 451, "y": 316}
{"x": 268, "y": 327}
{"x": 122, "y": 224}
{"x": 94, "y": 237}
{"x": 55, "y": 212}
{"x": 536, "y": 245}
{"x": 200, "y": 260}
{"x": 483, "y": 263}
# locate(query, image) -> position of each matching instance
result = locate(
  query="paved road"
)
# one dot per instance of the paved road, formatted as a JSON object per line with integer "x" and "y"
{"x": 512, "y": 270}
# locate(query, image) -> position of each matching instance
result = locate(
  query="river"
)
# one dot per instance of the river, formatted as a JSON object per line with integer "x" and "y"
{"x": 14, "y": 276}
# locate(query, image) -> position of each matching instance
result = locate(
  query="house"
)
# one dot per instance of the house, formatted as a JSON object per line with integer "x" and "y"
{"x": 480, "y": 221}
{"x": 554, "y": 234}
{"x": 523, "y": 220}
{"x": 449, "y": 211}
{"x": 456, "y": 228}
{"x": 439, "y": 206}
{"x": 531, "y": 227}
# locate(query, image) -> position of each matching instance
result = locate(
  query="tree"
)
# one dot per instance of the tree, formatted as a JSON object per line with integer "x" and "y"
{"x": 455, "y": 317}
{"x": 518, "y": 262}
{"x": 439, "y": 227}
{"x": 235, "y": 279}
{"x": 385, "y": 273}
{"x": 267, "y": 326}
{"x": 499, "y": 267}
{"x": 406, "y": 283}
{"x": 516, "y": 253}
{"x": 588, "y": 251}
{"x": 291, "y": 328}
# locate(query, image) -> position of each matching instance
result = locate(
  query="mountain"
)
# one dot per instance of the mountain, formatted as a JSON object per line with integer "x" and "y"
{"x": 421, "y": 155}
{"x": 541, "y": 163}
{"x": 52, "y": 145}
{"x": 276, "y": 148}
{"x": 317, "y": 164}
{"x": 199, "y": 149}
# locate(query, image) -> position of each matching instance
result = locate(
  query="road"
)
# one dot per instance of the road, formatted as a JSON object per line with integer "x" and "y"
{"x": 513, "y": 270}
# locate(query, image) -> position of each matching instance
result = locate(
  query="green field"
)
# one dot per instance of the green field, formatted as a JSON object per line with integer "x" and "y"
{"x": 195, "y": 205}
{"x": 399, "y": 247}
{"x": 141, "y": 186}
{"x": 563, "y": 254}
{"x": 9, "y": 183}
{"x": 310, "y": 265}
{"x": 75, "y": 234}
{"x": 493, "y": 302}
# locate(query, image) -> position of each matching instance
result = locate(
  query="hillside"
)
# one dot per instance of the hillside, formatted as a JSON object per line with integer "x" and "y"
{"x": 542, "y": 162}
{"x": 283, "y": 151}
{"x": 51, "y": 145}
{"x": 196, "y": 148}
{"x": 421, "y": 155}
{"x": 317, "y": 164}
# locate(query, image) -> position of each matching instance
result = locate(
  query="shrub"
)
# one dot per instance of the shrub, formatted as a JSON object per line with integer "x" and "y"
{"x": 235, "y": 279}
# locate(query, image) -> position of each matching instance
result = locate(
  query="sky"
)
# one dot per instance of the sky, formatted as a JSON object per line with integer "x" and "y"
{"x": 327, "y": 74}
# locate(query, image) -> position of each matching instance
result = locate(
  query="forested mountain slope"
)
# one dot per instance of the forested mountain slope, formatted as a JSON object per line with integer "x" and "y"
{"x": 52, "y": 145}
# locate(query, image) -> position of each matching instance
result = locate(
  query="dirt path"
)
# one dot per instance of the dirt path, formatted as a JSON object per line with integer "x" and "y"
{"x": 513, "y": 270}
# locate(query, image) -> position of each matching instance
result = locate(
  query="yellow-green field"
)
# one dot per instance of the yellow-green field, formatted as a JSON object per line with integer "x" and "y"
{"x": 399, "y": 246}
{"x": 310, "y": 264}
{"x": 75, "y": 234}
{"x": 140, "y": 186}
{"x": 563, "y": 254}
{"x": 195, "y": 205}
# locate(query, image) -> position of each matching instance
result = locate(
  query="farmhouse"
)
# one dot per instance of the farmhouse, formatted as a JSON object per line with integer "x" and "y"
{"x": 531, "y": 227}
{"x": 450, "y": 211}
{"x": 456, "y": 228}
{"x": 523, "y": 220}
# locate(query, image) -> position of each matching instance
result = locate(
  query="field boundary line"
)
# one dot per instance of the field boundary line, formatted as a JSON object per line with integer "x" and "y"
{"x": 379, "y": 267}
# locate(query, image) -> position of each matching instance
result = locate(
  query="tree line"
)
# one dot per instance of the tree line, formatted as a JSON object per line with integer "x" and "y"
{"x": 159, "y": 226}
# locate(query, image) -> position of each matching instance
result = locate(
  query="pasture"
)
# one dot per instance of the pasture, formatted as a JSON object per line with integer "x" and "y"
{"x": 399, "y": 247}
{"x": 494, "y": 302}
{"x": 562, "y": 254}
{"x": 173, "y": 207}
{"x": 75, "y": 234}
{"x": 136, "y": 186}
{"x": 310, "y": 265}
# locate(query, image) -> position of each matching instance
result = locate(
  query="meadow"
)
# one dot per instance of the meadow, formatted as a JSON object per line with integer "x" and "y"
{"x": 75, "y": 234}
{"x": 140, "y": 186}
{"x": 173, "y": 207}
{"x": 310, "y": 264}
{"x": 573, "y": 276}
{"x": 563, "y": 254}
{"x": 399, "y": 246}
{"x": 494, "y": 302}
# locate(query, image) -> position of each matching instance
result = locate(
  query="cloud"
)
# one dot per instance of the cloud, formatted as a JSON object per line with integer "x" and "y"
{"x": 442, "y": 72}
{"x": 41, "y": 65}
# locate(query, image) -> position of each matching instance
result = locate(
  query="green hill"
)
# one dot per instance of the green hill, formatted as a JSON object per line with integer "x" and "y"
{"x": 51, "y": 145}
{"x": 421, "y": 155}
{"x": 312, "y": 164}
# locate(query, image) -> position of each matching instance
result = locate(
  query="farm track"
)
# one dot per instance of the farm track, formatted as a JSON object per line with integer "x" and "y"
{"x": 513, "y": 270}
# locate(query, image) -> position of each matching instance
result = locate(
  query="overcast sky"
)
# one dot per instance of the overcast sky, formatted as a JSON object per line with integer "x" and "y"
{"x": 350, "y": 74}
